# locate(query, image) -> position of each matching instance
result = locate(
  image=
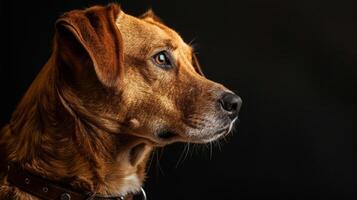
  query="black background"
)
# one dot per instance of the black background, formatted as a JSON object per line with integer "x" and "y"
{"x": 294, "y": 63}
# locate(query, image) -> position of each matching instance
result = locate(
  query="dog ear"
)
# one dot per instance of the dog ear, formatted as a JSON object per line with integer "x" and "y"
{"x": 150, "y": 15}
{"x": 92, "y": 32}
{"x": 196, "y": 65}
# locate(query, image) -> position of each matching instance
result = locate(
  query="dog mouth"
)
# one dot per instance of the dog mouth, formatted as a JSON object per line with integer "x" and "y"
{"x": 168, "y": 136}
{"x": 222, "y": 132}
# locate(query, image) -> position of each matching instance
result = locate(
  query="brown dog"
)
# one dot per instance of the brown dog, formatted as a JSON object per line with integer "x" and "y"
{"x": 115, "y": 87}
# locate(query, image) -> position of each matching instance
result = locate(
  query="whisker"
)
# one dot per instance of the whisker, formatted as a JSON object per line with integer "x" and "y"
{"x": 191, "y": 43}
{"x": 181, "y": 156}
{"x": 218, "y": 144}
{"x": 210, "y": 150}
{"x": 158, "y": 166}
{"x": 188, "y": 149}
{"x": 151, "y": 159}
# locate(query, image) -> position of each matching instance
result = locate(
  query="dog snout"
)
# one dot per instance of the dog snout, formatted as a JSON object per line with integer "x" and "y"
{"x": 231, "y": 104}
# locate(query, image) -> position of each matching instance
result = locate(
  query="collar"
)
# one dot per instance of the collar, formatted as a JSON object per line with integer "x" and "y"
{"x": 49, "y": 190}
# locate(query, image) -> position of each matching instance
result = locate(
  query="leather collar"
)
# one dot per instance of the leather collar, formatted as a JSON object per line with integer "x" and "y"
{"x": 49, "y": 190}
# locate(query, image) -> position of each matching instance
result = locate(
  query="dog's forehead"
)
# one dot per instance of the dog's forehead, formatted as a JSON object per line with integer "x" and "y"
{"x": 147, "y": 34}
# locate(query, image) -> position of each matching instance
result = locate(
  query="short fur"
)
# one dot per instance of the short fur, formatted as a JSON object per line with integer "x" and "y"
{"x": 93, "y": 114}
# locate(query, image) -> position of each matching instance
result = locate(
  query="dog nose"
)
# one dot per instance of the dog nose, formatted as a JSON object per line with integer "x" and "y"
{"x": 231, "y": 103}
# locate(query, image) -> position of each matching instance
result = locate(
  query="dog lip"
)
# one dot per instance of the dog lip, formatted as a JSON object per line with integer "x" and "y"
{"x": 222, "y": 130}
{"x": 167, "y": 136}
{"x": 230, "y": 126}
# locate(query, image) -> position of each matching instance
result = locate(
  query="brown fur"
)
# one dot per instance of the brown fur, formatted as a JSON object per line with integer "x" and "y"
{"x": 91, "y": 117}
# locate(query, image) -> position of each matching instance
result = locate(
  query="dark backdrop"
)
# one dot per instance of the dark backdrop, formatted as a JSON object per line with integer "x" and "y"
{"x": 294, "y": 63}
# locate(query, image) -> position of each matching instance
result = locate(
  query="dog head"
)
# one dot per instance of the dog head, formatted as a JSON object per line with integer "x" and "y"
{"x": 142, "y": 75}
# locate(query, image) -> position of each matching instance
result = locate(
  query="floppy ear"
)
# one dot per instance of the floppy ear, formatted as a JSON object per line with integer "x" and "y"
{"x": 196, "y": 65}
{"x": 92, "y": 32}
{"x": 149, "y": 14}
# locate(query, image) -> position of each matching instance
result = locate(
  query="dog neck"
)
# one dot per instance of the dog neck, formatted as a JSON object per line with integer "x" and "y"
{"x": 50, "y": 141}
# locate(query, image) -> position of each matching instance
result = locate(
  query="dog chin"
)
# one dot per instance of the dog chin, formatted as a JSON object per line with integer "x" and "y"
{"x": 215, "y": 135}
{"x": 207, "y": 139}
{"x": 195, "y": 136}
{"x": 164, "y": 138}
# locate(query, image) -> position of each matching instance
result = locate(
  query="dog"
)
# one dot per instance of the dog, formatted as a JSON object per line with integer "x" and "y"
{"x": 114, "y": 88}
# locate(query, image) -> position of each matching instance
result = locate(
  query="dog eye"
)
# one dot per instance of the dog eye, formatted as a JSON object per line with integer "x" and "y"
{"x": 162, "y": 59}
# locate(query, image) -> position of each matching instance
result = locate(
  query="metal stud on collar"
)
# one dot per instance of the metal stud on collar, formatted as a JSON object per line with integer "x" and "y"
{"x": 143, "y": 194}
{"x": 65, "y": 196}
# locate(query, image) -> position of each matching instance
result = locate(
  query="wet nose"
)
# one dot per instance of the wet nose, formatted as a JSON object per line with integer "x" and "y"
{"x": 231, "y": 103}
